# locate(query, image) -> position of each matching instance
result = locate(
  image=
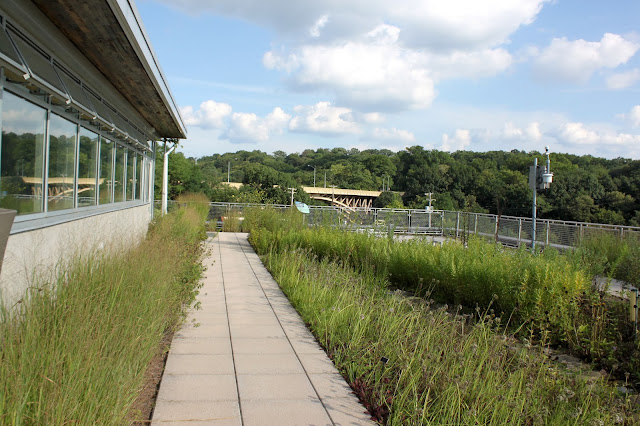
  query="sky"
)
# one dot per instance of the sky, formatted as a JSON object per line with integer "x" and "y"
{"x": 378, "y": 74}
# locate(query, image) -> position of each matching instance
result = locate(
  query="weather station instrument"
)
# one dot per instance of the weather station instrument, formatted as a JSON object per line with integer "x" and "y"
{"x": 540, "y": 178}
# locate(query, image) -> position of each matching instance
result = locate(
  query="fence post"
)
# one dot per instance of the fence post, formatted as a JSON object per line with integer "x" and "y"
{"x": 457, "y": 224}
{"x": 475, "y": 226}
{"x": 546, "y": 241}
{"x": 409, "y": 220}
{"x": 519, "y": 231}
{"x": 580, "y": 234}
{"x": 442, "y": 222}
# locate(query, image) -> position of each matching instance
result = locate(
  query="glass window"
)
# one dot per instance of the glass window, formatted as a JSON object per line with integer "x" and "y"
{"x": 131, "y": 161}
{"x": 121, "y": 159}
{"x": 23, "y": 129}
{"x": 139, "y": 166}
{"x": 62, "y": 163}
{"x": 105, "y": 188}
{"x": 87, "y": 168}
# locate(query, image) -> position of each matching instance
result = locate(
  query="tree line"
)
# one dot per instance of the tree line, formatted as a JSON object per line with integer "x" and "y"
{"x": 584, "y": 188}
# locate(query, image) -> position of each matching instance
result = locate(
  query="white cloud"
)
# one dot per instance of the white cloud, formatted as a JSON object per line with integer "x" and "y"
{"x": 237, "y": 127}
{"x": 634, "y": 116}
{"x": 372, "y": 118}
{"x": 249, "y": 128}
{"x": 533, "y": 131}
{"x": 511, "y": 132}
{"x": 324, "y": 119}
{"x": 580, "y": 138}
{"x": 372, "y": 75}
{"x": 624, "y": 79}
{"x": 577, "y": 133}
{"x": 314, "y": 31}
{"x": 576, "y": 61}
{"x": 458, "y": 142}
{"x": 211, "y": 115}
{"x": 393, "y": 135}
{"x": 462, "y": 64}
{"x": 454, "y": 24}
{"x": 376, "y": 72}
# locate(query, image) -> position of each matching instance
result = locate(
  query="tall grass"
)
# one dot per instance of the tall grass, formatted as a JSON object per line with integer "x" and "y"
{"x": 415, "y": 365}
{"x": 539, "y": 290}
{"x": 547, "y": 298}
{"x": 76, "y": 350}
{"x": 609, "y": 255}
{"x": 197, "y": 201}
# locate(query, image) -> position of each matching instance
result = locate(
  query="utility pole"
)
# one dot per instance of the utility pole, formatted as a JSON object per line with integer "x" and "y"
{"x": 534, "y": 212}
{"x": 314, "y": 174}
{"x": 293, "y": 191}
{"x": 333, "y": 194}
{"x": 229, "y": 170}
{"x": 325, "y": 178}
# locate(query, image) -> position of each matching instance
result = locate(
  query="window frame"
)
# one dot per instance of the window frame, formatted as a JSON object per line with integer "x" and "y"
{"x": 31, "y": 221}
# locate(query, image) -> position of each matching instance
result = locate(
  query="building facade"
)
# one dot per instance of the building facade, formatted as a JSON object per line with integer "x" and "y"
{"x": 82, "y": 103}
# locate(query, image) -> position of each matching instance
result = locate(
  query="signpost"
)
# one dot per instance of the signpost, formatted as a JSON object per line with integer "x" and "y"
{"x": 302, "y": 208}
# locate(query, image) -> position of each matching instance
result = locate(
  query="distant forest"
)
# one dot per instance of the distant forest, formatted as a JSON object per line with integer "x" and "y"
{"x": 585, "y": 188}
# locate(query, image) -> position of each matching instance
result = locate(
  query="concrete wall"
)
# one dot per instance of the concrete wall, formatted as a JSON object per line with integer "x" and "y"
{"x": 41, "y": 254}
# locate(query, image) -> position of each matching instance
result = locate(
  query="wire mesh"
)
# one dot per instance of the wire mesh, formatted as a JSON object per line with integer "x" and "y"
{"x": 513, "y": 231}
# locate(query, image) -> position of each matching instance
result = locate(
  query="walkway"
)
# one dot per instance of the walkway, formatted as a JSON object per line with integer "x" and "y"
{"x": 246, "y": 358}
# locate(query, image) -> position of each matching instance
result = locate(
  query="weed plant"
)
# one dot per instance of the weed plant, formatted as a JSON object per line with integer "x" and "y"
{"x": 413, "y": 364}
{"x": 546, "y": 298}
{"x": 197, "y": 201}
{"x": 541, "y": 291}
{"x": 75, "y": 351}
{"x": 608, "y": 255}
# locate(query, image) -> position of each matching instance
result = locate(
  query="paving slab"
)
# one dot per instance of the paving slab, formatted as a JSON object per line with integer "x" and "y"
{"x": 245, "y": 357}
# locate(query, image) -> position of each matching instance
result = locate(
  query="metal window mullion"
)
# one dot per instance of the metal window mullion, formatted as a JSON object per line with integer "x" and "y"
{"x": 45, "y": 168}
{"x": 114, "y": 155}
{"x": 98, "y": 167}
{"x": 135, "y": 177}
{"x": 134, "y": 180}
{"x": 125, "y": 176}
{"x": 76, "y": 159}
{"x": 151, "y": 182}
{"x": 1, "y": 109}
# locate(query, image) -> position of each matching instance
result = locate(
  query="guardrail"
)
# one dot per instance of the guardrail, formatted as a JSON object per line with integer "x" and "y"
{"x": 508, "y": 230}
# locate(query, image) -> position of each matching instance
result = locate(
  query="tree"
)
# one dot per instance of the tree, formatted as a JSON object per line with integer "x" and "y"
{"x": 504, "y": 192}
{"x": 388, "y": 199}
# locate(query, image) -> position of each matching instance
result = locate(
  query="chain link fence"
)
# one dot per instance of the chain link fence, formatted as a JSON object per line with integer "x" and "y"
{"x": 507, "y": 230}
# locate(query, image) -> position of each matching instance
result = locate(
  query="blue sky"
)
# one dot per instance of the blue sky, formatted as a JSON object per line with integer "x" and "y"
{"x": 460, "y": 74}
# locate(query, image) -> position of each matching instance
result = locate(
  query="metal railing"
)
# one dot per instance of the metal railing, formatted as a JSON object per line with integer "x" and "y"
{"x": 508, "y": 230}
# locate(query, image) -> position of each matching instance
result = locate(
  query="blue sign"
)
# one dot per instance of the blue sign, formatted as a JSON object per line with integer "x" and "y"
{"x": 302, "y": 207}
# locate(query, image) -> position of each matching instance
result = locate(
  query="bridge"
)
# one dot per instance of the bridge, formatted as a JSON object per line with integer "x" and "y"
{"x": 349, "y": 198}
{"x": 340, "y": 197}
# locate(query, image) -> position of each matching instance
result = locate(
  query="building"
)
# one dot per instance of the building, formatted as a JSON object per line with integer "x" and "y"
{"x": 83, "y": 103}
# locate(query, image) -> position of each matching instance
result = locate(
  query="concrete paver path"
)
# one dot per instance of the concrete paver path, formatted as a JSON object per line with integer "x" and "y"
{"x": 246, "y": 357}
